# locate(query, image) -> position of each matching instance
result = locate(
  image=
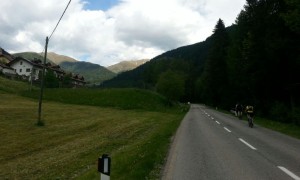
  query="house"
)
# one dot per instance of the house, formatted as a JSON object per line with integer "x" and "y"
{"x": 77, "y": 80}
{"x": 5, "y": 58}
{"x": 27, "y": 69}
{"x": 31, "y": 69}
{"x": 58, "y": 72}
{"x": 7, "y": 71}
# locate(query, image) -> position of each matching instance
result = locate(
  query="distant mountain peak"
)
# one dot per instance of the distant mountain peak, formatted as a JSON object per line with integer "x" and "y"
{"x": 126, "y": 65}
{"x": 58, "y": 59}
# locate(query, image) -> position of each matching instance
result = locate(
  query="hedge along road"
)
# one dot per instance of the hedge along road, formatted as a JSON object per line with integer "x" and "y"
{"x": 213, "y": 145}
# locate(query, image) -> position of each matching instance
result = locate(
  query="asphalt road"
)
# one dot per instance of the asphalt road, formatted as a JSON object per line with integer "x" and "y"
{"x": 212, "y": 145}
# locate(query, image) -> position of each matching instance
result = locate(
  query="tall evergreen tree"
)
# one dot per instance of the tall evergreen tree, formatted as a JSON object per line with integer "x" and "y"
{"x": 264, "y": 53}
{"x": 214, "y": 79}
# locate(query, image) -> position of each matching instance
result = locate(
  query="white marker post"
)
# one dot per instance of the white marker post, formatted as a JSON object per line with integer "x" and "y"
{"x": 104, "y": 167}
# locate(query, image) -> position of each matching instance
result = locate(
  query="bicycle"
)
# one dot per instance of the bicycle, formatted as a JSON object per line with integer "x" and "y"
{"x": 240, "y": 115}
{"x": 250, "y": 120}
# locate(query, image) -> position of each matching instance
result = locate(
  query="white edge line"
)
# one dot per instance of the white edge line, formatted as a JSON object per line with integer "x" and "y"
{"x": 249, "y": 145}
{"x": 294, "y": 176}
{"x": 218, "y": 122}
{"x": 212, "y": 118}
{"x": 227, "y": 129}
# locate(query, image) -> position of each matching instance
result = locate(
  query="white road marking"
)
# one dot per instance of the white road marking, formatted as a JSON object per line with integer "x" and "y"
{"x": 227, "y": 129}
{"x": 249, "y": 145}
{"x": 218, "y": 122}
{"x": 212, "y": 118}
{"x": 208, "y": 115}
{"x": 294, "y": 176}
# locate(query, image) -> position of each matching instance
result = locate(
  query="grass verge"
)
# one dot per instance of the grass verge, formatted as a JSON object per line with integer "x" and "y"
{"x": 288, "y": 129}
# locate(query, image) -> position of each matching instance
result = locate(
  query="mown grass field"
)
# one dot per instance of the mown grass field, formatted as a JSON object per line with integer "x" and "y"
{"x": 117, "y": 98}
{"x": 77, "y": 133}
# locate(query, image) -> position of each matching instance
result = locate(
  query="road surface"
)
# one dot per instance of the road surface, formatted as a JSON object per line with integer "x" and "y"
{"x": 212, "y": 145}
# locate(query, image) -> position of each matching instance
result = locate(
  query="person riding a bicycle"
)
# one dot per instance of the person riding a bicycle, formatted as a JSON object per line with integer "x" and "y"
{"x": 250, "y": 113}
{"x": 239, "y": 110}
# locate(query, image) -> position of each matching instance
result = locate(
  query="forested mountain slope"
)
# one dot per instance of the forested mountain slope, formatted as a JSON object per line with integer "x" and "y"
{"x": 188, "y": 60}
{"x": 93, "y": 73}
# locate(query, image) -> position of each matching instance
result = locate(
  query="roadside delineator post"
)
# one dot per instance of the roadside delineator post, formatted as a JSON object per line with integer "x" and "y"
{"x": 104, "y": 167}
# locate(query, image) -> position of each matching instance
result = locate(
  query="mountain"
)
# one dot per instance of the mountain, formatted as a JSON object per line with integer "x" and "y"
{"x": 32, "y": 55}
{"x": 126, "y": 65}
{"x": 93, "y": 73}
{"x": 188, "y": 60}
{"x": 58, "y": 59}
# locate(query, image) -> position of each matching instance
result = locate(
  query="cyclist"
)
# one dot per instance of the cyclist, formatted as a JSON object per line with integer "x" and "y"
{"x": 250, "y": 113}
{"x": 239, "y": 110}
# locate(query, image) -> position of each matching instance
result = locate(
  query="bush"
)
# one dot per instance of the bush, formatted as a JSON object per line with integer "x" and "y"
{"x": 171, "y": 85}
{"x": 294, "y": 116}
{"x": 280, "y": 112}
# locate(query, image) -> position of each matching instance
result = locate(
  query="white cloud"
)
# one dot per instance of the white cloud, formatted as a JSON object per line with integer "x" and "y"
{"x": 133, "y": 29}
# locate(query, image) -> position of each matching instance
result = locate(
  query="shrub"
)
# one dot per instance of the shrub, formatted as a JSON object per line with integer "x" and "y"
{"x": 279, "y": 112}
{"x": 294, "y": 116}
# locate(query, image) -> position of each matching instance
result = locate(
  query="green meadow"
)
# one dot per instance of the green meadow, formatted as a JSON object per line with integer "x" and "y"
{"x": 133, "y": 126}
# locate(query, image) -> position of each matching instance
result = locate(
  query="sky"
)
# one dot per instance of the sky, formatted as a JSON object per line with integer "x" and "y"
{"x": 106, "y": 32}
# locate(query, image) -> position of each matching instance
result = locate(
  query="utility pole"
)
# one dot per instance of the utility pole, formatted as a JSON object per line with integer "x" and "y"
{"x": 31, "y": 75}
{"x": 40, "y": 122}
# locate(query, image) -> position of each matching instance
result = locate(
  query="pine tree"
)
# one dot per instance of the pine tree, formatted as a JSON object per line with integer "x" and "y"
{"x": 214, "y": 79}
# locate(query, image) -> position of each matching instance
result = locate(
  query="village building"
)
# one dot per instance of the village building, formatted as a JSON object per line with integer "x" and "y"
{"x": 58, "y": 72}
{"x": 31, "y": 70}
{"x": 5, "y": 58}
{"x": 7, "y": 71}
{"x": 78, "y": 81}
{"x": 26, "y": 69}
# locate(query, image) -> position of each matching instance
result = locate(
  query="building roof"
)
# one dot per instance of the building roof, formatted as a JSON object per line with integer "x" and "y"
{"x": 78, "y": 78}
{"x": 23, "y": 59}
{"x": 5, "y": 54}
{"x": 5, "y": 66}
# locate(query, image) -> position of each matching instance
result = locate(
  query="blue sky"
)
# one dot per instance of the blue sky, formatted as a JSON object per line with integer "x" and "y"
{"x": 100, "y": 4}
